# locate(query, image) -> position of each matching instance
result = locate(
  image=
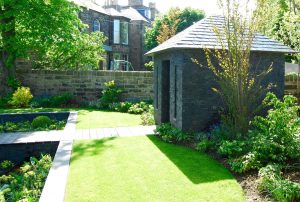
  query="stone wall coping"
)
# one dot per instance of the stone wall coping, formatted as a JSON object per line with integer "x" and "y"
{"x": 83, "y": 71}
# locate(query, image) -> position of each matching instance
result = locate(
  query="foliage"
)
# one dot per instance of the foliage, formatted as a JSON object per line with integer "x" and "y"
{"x": 168, "y": 25}
{"x": 120, "y": 106}
{"x": 273, "y": 139}
{"x": 232, "y": 149}
{"x": 38, "y": 124}
{"x": 204, "y": 145}
{"x": 4, "y": 101}
{"x": 139, "y": 108}
{"x": 13, "y": 82}
{"x": 21, "y": 97}
{"x": 237, "y": 83}
{"x": 26, "y": 183}
{"x": 52, "y": 101}
{"x": 276, "y": 137}
{"x": 148, "y": 117}
{"x": 169, "y": 28}
{"x": 272, "y": 183}
{"x": 84, "y": 52}
{"x": 281, "y": 20}
{"x": 59, "y": 44}
{"x": 41, "y": 122}
{"x": 6, "y": 164}
{"x": 170, "y": 134}
{"x": 149, "y": 66}
{"x": 110, "y": 94}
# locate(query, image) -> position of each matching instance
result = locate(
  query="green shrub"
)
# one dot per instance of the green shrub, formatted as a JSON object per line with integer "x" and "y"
{"x": 21, "y": 97}
{"x": 139, "y": 108}
{"x": 6, "y": 164}
{"x": 4, "y": 100}
{"x": 148, "y": 117}
{"x": 52, "y": 101}
{"x": 271, "y": 182}
{"x": 149, "y": 66}
{"x": 13, "y": 82}
{"x": 41, "y": 122}
{"x": 61, "y": 100}
{"x": 170, "y": 134}
{"x": 110, "y": 94}
{"x": 232, "y": 149}
{"x": 120, "y": 106}
{"x": 276, "y": 136}
{"x": 26, "y": 183}
{"x": 204, "y": 146}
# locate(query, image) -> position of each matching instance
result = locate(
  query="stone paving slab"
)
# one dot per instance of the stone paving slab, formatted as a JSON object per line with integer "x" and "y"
{"x": 86, "y": 134}
{"x": 55, "y": 186}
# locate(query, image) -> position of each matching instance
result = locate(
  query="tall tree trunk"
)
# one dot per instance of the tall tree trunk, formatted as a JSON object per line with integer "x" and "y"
{"x": 8, "y": 33}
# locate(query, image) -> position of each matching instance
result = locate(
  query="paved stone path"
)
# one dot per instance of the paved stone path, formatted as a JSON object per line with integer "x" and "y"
{"x": 88, "y": 134}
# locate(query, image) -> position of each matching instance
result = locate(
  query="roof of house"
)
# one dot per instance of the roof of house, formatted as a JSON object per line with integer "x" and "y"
{"x": 90, "y": 5}
{"x": 114, "y": 12}
{"x": 201, "y": 35}
{"x": 133, "y": 14}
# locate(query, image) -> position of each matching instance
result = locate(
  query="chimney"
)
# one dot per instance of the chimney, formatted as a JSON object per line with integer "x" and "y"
{"x": 154, "y": 12}
{"x": 112, "y": 4}
{"x": 135, "y": 3}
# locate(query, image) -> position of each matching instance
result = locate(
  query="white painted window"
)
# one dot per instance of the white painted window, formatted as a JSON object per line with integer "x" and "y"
{"x": 116, "y": 31}
{"x": 96, "y": 26}
{"x": 124, "y": 33}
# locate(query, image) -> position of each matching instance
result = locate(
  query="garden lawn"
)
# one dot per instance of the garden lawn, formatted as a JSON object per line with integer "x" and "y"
{"x": 89, "y": 118}
{"x": 103, "y": 119}
{"x": 146, "y": 169}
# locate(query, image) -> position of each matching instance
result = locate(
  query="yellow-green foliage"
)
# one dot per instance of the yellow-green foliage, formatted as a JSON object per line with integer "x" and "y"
{"x": 238, "y": 86}
{"x": 21, "y": 97}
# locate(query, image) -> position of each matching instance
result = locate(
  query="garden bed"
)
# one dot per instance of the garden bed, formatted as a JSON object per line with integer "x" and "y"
{"x": 33, "y": 121}
{"x": 24, "y": 182}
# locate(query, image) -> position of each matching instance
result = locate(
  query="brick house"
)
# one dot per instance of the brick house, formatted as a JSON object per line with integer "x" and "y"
{"x": 124, "y": 26}
{"x": 183, "y": 92}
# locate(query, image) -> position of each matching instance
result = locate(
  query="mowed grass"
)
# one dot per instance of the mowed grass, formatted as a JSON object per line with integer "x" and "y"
{"x": 103, "y": 119}
{"x": 146, "y": 169}
{"x": 89, "y": 118}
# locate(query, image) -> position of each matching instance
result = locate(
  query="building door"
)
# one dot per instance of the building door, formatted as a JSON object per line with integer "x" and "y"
{"x": 165, "y": 91}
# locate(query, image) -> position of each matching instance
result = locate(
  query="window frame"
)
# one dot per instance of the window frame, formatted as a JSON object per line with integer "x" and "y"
{"x": 117, "y": 32}
{"x": 98, "y": 25}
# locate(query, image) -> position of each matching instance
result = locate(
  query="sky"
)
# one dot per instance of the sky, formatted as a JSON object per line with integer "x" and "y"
{"x": 209, "y": 6}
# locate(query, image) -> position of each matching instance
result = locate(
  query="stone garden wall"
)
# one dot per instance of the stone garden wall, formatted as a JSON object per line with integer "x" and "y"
{"x": 87, "y": 85}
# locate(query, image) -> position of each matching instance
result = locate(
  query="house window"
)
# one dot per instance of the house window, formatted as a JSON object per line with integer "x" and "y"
{"x": 96, "y": 26}
{"x": 124, "y": 33}
{"x": 120, "y": 62}
{"x": 116, "y": 31}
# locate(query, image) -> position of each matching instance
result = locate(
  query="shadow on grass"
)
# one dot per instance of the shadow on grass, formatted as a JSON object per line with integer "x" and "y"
{"x": 197, "y": 167}
{"x": 81, "y": 149}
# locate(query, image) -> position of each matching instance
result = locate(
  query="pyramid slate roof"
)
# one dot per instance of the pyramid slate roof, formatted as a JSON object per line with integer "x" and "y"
{"x": 201, "y": 35}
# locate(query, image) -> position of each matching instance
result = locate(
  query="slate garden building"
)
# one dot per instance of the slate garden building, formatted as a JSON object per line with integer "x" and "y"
{"x": 183, "y": 89}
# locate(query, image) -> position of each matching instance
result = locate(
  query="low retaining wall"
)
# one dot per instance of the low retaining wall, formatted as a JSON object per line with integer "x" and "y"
{"x": 87, "y": 85}
{"x": 17, "y": 153}
{"x": 16, "y": 118}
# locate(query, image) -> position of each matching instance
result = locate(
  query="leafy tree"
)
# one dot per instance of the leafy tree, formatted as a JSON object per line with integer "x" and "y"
{"x": 166, "y": 26}
{"x": 48, "y": 32}
{"x": 280, "y": 19}
{"x": 238, "y": 85}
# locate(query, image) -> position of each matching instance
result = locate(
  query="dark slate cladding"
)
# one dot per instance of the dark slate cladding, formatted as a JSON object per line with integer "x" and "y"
{"x": 16, "y": 118}
{"x": 201, "y": 35}
{"x": 18, "y": 153}
{"x": 193, "y": 106}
